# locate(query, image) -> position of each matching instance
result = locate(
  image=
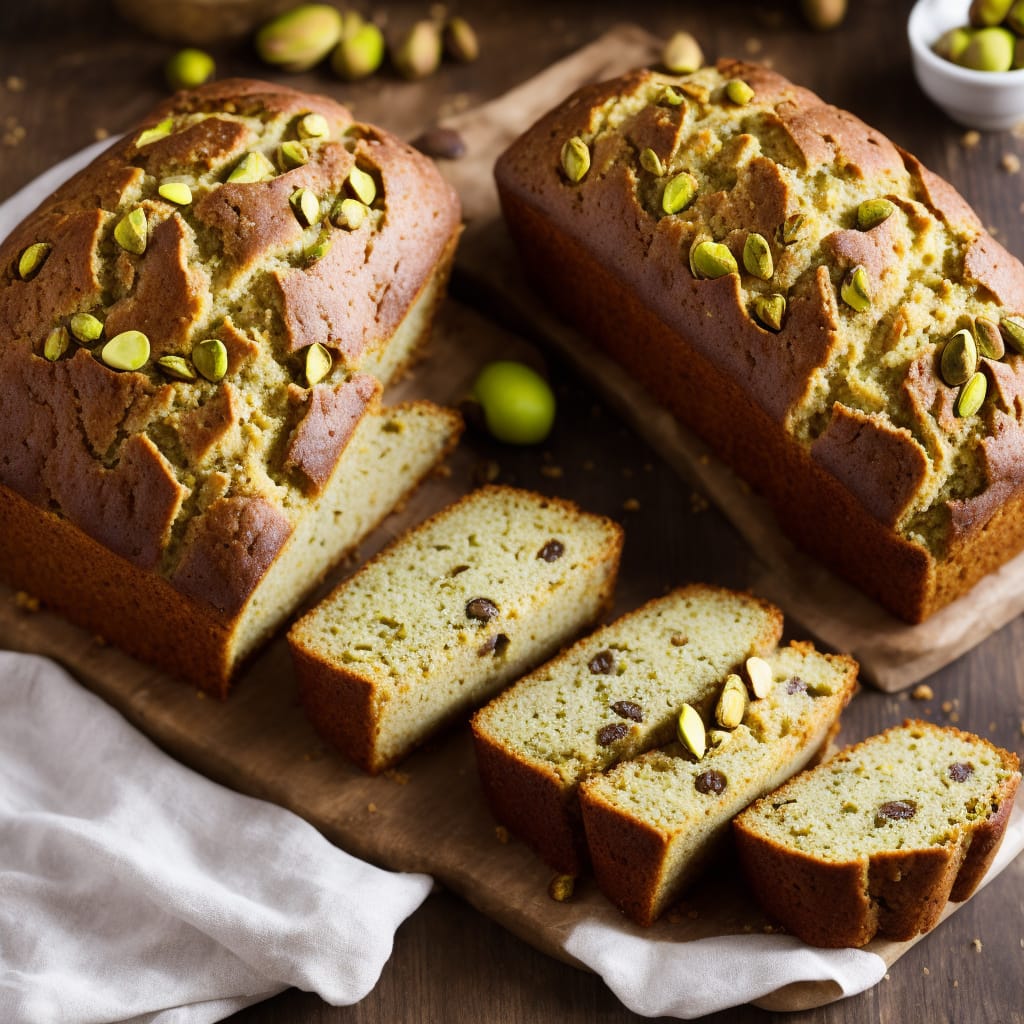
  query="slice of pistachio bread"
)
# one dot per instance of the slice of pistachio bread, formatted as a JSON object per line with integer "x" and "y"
{"x": 653, "y": 822}
{"x": 447, "y": 615}
{"x": 827, "y": 313}
{"x": 615, "y": 694}
{"x": 191, "y": 329}
{"x": 877, "y": 839}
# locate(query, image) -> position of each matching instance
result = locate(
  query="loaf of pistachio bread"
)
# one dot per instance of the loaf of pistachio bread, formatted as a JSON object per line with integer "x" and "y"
{"x": 828, "y": 314}
{"x": 653, "y": 822}
{"x": 876, "y": 840}
{"x": 194, "y": 332}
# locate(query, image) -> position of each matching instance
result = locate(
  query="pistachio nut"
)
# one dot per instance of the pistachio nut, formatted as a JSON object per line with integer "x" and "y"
{"x": 732, "y": 703}
{"x": 988, "y": 338}
{"x": 56, "y": 344}
{"x": 988, "y": 12}
{"x": 177, "y": 367}
{"x": 85, "y": 328}
{"x": 312, "y": 126}
{"x": 189, "y": 68}
{"x": 362, "y": 184}
{"x": 759, "y": 672}
{"x": 651, "y": 162}
{"x": 713, "y": 259}
{"x": 575, "y": 159}
{"x": 210, "y": 358}
{"x": 679, "y": 192}
{"x": 318, "y": 363}
{"x": 769, "y": 311}
{"x": 990, "y": 49}
{"x": 318, "y": 250}
{"x": 1015, "y": 18}
{"x": 292, "y": 154}
{"x": 359, "y": 53}
{"x": 32, "y": 258}
{"x": 128, "y": 350}
{"x": 959, "y": 358}
{"x": 971, "y": 396}
{"x": 561, "y": 888}
{"x": 157, "y": 132}
{"x": 254, "y": 166}
{"x": 757, "y": 256}
{"x": 690, "y": 730}
{"x": 300, "y": 38}
{"x": 132, "y": 231}
{"x": 792, "y": 229}
{"x": 1018, "y": 54}
{"x": 719, "y": 737}
{"x": 670, "y": 98}
{"x": 873, "y": 212}
{"x": 855, "y": 290}
{"x": 460, "y": 41}
{"x": 176, "y": 192}
{"x": 823, "y": 14}
{"x": 1012, "y": 328}
{"x": 682, "y": 54}
{"x": 306, "y": 206}
{"x": 952, "y": 44}
{"x": 418, "y": 53}
{"x": 739, "y": 92}
{"x": 349, "y": 214}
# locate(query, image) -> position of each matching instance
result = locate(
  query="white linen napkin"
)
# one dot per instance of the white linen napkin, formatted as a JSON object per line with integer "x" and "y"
{"x": 133, "y": 889}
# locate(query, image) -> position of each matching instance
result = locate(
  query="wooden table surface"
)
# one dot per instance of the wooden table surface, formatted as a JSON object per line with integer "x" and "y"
{"x": 71, "y": 72}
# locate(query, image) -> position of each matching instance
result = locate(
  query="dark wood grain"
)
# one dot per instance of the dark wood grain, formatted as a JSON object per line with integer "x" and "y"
{"x": 84, "y": 71}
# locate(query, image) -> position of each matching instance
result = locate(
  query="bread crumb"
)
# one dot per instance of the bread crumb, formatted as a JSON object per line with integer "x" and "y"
{"x": 753, "y": 45}
{"x": 401, "y": 778}
{"x": 561, "y": 888}
{"x": 956, "y": 984}
{"x": 15, "y": 84}
{"x": 969, "y": 140}
{"x": 100, "y": 134}
{"x": 922, "y": 692}
{"x": 1010, "y": 163}
{"x": 372, "y": 808}
{"x": 954, "y": 717}
{"x": 14, "y": 132}
{"x": 26, "y": 602}
{"x": 552, "y": 472}
{"x": 885, "y": 977}
{"x": 631, "y": 505}
{"x": 947, "y": 706}
{"x": 976, "y": 943}
{"x": 925, "y": 971}
{"x": 502, "y": 835}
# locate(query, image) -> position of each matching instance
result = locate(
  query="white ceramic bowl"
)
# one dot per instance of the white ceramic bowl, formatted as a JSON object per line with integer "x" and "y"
{"x": 990, "y": 100}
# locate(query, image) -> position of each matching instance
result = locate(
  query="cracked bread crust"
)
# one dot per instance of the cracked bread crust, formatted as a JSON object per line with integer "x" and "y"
{"x": 203, "y": 483}
{"x": 840, "y": 417}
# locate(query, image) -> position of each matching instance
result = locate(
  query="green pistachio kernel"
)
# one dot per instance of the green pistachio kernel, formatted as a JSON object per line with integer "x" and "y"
{"x": 873, "y": 212}
{"x": 769, "y": 311}
{"x": 959, "y": 358}
{"x": 31, "y": 260}
{"x": 210, "y": 358}
{"x": 854, "y": 289}
{"x": 691, "y": 732}
{"x": 359, "y": 53}
{"x": 1012, "y": 328}
{"x": 680, "y": 191}
{"x": 518, "y": 404}
{"x": 971, "y": 396}
{"x": 988, "y": 337}
{"x": 651, "y": 162}
{"x": 132, "y": 231}
{"x": 713, "y": 259}
{"x": 318, "y": 363}
{"x": 670, "y": 97}
{"x": 254, "y": 166}
{"x": 85, "y": 328}
{"x": 312, "y": 126}
{"x": 306, "y": 206}
{"x": 990, "y": 49}
{"x": 154, "y": 134}
{"x": 175, "y": 192}
{"x": 318, "y": 250}
{"x": 349, "y": 214}
{"x": 739, "y": 92}
{"x": 128, "y": 350}
{"x": 792, "y": 228}
{"x": 362, "y": 185}
{"x": 189, "y": 68}
{"x": 757, "y": 256}
{"x": 56, "y": 344}
{"x": 177, "y": 367}
{"x": 292, "y": 154}
{"x": 575, "y": 159}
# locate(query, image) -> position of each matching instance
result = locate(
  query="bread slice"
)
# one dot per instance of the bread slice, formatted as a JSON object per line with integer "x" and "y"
{"x": 876, "y": 840}
{"x": 612, "y": 696}
{"x": 652, "y": 823}
{"x": 447, "y": 615}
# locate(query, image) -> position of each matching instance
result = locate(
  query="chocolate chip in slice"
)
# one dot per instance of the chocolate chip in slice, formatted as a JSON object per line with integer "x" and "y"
{"x": 608, "y": 734}
{"x": 710, "y": 781}
{"x": 552, "y": 551}
{"x": 627, "y": 709}
{"x": 961, "y": 771}
{"x": 895, "y": 810}
{"x": 482, "y": 609}
{"x": 602, "y": 663}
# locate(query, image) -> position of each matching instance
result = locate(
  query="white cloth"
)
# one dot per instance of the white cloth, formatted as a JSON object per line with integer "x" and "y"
{"x": 132, "y": 888}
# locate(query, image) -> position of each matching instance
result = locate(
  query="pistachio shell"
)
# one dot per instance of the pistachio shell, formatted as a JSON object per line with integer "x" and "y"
{"x": 1012, "y": 328}
{"x": 349, "y": 213}
{"x": 56, "y": 344}
{"x": 959, "y": 358}
{"x": 359, "y": 54}
{"x": 300, "y": 38}
{"x": 759, "y": 672}
{"x": 651, "y": 162}
{"x": 769, "y": 311}
{"x": 32, "y": 259}
{"x": 175, "y": 192}
{"x": 988, "y": 338}
{"x": 854, "y": 289}
{"x": 85, "y": 328}
{"x": 362, "y": 184}
{"x": 318, "y": 363}
{"x": 177, "y": 367}
{"x": 157, "y": 132}
{"x": 575, "y": 159}
{"x": 971, "y": 396}
{"x": 132, "y": 231}
{"x": 128, "y": 350}
{"x": 757, "y": 256}
{"x": 713, "y": 259}
{"x": 254, "y": 166}
{"x": 306, "y": 206}
{"x": 691, "y": 732}
{"x": 873, "y": 212}
{"x": 210, "y": 358}
{"x": 312, "y": 126}
{"x": 680, "y": 191}
{"x": 739, "y": 92}
{"x": 418, "y": 53}
{"x": 682, "y": 54}
{"x": 460, "y": 41}
{"x": 292, "y": 154}
{"x": 732, "y": 703}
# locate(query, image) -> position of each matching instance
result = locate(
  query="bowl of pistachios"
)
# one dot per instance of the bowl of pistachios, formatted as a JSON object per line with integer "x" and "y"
{"x": 969, "y": 59}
